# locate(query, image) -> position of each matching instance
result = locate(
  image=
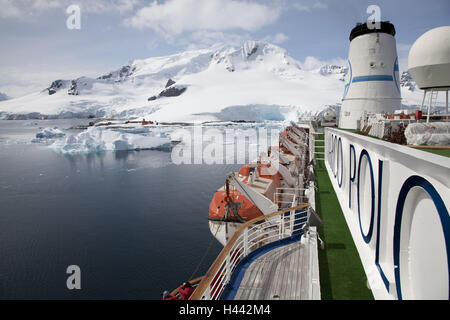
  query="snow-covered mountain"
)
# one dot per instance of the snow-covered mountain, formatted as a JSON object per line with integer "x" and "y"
{"x": 407, "y": 81}
{"x": 257, "y": 81}
{"x": 3, "y": 97}
{"x": 331, "y": 69}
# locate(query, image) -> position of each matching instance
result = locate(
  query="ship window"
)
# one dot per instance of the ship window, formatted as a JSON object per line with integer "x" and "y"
{"x": 372, "y": 64}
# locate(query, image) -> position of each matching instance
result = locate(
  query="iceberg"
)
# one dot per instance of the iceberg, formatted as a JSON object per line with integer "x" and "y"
{"x": 49, "y": 133}
{"x": 98, "y": 139}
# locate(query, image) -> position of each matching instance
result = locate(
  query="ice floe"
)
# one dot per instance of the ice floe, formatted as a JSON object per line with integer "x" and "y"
{"x": 98, "y": 139}
{"x": 49, "y": 133}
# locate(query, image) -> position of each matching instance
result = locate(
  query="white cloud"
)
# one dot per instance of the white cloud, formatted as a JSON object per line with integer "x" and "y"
{"x": 403, "y": 53}
{"x": 9, "y": 9}
{"x": 320, "y": 5}
{"x": 312, "y": 63}
{"x": 25, "y": 9}
{"x": 204, "y": 39}
{"x": 278, "y": 38}
{"x": 308, "y": 5}
{"x": 174, "y": 17}
{"x": 102, "y": 6}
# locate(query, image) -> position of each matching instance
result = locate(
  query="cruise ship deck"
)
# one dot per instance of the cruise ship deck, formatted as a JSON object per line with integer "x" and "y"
{"x": 281, "y": 274}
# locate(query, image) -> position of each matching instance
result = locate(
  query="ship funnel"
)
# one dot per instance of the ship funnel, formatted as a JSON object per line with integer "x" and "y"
{"x": 372, "y": 79}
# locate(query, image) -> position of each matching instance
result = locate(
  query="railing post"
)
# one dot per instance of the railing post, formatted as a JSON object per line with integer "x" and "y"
{"x": 227, "y": 269}
{"x": 245, "y": 242}
{"x": 207, "y": 294}
{"x": 291, "y": 221}
{"x": 281, "y": 229}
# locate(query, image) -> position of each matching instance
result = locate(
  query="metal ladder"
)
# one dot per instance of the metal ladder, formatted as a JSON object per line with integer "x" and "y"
{"x": 321, "y": 153}
{"x": 433, "y": 99}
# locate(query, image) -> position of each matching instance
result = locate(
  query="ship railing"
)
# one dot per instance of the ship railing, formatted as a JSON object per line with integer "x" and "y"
{"x": 289, "y": 196}
{"x": 250, "y": 236}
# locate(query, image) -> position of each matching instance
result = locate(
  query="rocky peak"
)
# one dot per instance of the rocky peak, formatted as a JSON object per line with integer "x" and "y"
{"x": 119, "y": 75}
{"x": 169, "y": 83}
{"x": 3, "y": 97}
{"x": 56, "y": 86}
{"x": 406, "y": 81}
{"x": 331, "y": 69}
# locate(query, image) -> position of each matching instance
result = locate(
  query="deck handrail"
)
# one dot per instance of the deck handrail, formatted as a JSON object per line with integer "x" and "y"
{"x": 200, "y": 292}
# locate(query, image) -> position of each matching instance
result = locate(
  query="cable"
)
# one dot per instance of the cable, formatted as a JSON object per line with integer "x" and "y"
{"x": 204, "y": 256}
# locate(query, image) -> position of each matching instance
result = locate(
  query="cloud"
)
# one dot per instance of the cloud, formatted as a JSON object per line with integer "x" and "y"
{"x": 25, "y": 9}
{"x": 278, "y": 38}
{"x": 104, "y": 6}
{"x": 174, "y": 17}
{"x": 313, "y": 63}
{"x": 308, "y": 6}
{"x": 403, "y": 53}
{"x": 320, "y": 5}
{"x": 205, "y": 39}
{"x": 9, "y": 9}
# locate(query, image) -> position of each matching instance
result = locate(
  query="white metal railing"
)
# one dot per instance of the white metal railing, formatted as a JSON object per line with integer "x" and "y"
{"x": 247, "y": 238}
{"x": 289, "y": 197}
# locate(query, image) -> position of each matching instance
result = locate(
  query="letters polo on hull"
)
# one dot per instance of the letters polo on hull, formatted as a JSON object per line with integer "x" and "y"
{"x": 395, "y": 201}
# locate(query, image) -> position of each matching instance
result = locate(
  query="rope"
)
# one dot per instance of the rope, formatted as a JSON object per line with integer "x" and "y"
{"x": 204, "y": 256}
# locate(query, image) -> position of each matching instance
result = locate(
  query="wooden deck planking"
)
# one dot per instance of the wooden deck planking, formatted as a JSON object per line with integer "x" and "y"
{"x": 282, "y": 273}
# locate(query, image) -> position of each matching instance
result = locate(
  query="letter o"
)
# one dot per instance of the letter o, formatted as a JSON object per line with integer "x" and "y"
{"x": 340, "y": 169}
{"x": 420, "y": 187}
{"x": 367, "y": 237}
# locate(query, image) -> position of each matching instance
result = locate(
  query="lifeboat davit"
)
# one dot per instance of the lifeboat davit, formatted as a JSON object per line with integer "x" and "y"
{"x": 229, "y": 207}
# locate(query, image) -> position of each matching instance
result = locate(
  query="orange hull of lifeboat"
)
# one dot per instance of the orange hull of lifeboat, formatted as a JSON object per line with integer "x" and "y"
{"x": 247, "y": 210}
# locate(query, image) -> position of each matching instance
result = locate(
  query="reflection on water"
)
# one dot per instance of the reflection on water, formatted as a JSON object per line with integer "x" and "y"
{"x": 135, "y": 223}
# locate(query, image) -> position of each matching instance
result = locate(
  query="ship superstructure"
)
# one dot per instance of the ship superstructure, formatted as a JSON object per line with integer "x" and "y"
{"x": 382, "y": 204}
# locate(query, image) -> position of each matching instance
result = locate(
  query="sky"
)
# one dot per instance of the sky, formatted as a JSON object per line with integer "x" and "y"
{"x": 39, "y": 44}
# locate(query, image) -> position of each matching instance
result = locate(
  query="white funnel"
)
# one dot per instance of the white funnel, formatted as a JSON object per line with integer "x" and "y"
{"x": 372, "y": 80}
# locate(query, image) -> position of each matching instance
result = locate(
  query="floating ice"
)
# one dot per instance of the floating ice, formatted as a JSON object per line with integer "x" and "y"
{"x": 48, "y": 133}
{"x": 97, "y": 139}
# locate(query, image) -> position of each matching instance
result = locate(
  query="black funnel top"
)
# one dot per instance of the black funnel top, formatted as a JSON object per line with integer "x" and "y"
{"x": 361, "y": 28}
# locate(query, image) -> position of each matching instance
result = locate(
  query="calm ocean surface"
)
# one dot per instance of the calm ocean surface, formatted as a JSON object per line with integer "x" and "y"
{"x": 135, "y": 223}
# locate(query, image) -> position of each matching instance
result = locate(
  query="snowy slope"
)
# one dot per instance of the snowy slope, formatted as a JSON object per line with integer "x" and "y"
{"x": 3, "y": 97}
{"x": 254, "y": 82}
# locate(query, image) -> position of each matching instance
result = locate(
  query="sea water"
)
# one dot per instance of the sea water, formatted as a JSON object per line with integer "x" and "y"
{"x": 134, "y": 222}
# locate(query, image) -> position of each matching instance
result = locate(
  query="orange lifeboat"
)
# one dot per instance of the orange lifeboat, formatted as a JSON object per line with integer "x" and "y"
{"x": 231, "y": 205}
{"x": 281, "y": 147}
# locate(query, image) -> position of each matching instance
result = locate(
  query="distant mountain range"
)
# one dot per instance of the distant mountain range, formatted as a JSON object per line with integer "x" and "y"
{"x": 258, "y": 81}
{"x": 406, "y": 81}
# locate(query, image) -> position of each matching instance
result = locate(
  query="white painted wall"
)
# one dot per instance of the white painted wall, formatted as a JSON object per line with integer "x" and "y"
{"x": 404, "y": 251}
